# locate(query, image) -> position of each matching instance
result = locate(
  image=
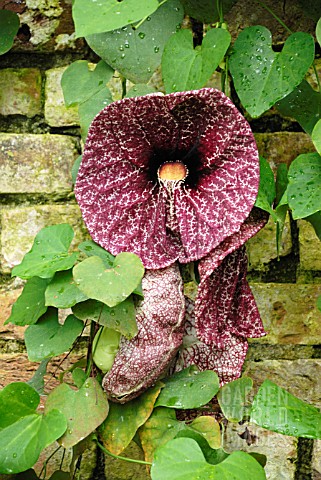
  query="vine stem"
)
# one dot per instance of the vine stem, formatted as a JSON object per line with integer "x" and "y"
{"x": 44, "y": 467}
{"x": 132, "y": 460}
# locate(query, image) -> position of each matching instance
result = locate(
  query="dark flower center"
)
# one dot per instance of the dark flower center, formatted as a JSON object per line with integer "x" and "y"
{"x": 174, "y": 171}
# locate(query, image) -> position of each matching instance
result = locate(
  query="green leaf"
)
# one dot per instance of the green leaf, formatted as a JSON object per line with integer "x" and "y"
{"x": 22, "y": 442}
{"x": 92, "y": 249}
{"x": 136, "y": 53}
{"x": 48, "y": 254}
{"x": 262, "y": 76}
{"x": 186, "y": 68}
{"x": 232, "y": 398}
{"x": 49, "y": 338}
{"x": 316, "y": 136}
{"x": 266, "y": 193}
{"x": 182, "y": 458}
{"x": 279, "y": 411}
{"x": 303, "y": 104}
{"x": 105, "y": 347}
{"x": 17, "y": 400}
{"x": 109, "y": 285}
{"x": 122, "y": 422}
{"x": 205, "y": 430}
{"x": 9, "y": 26}
{"x": 37, "y": 380}
{"x": 31, "y": 303}
{"x": 62, "y": 291}
{"x": 60, "y": 475}
{"x": 189, "y": 388}
{"x": 206, "y": 10}
{"x": 139, "y": 90}
{"x": 27, "y": 475}
{"x": 281, "y": 181}
{"x": 79, "y": 83}
{"x": 79, "y": 377}
{"x": 318, "y": 31}
{"x": 94, "y": 17}
{"x": 75, "y": 168}
{"x": 89, "y": 109}
{"x": 121, "y": 318}
{"x": 315, "y": 220}
{"x": 84, "y": 409}
{"x": 304, "y": 193}
{"x": 319, "y": 302}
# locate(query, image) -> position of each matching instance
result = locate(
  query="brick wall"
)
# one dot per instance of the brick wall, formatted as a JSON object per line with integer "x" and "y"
{"x": 39, "y": 140}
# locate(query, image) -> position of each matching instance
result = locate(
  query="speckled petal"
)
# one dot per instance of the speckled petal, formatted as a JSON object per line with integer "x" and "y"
{"x": 227, "y": 361}
{"x": 160, "y": 319}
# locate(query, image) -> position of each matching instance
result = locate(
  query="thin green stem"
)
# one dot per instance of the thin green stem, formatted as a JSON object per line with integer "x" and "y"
{"x": 123, "y": 86}
{"x": 44, "y": 467}
{"x": 274, "y": 15}
{"x": 220, "y": 10}
{"x": 132, "y": 460}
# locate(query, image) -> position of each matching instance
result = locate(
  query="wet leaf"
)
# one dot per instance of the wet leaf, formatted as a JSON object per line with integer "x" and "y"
{"x": 208, "y": 428}
{"x": 31, "y": 303}
{"x": 232, "y": 398}
{"x": 122, "y": 422}
{"x": 186, "y": 68}
{"x": 17, "y": 400}
{"x": 9, "y": 26}
{"x": 139, "y": 89}
{"x": 136, "y": 53}
{"x": 89, "y": 109}
{"x": 109, "y": 285}
{"x": 62, "y": 291}
{"x": 262, "y": 76}
{"x": 84, "y": 409}
{"x": 91, "y": 249}
{"x": 279, "y": 411}
{"x": 48, "y": 338}
{"x": 188, "y": 389}
{"x": 49, "y": 253}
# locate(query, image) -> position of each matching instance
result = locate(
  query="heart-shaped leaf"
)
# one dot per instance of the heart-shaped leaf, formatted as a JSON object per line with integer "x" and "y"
{"x": 121, "y": 318}
{"x": 92, "y": 249}
{"x": 232, "y": 398}
{"x": 278, "y": 410}
{"x": 109, "y": 285}
{"x": 91, "y": 16}
{"x": 139, "y": 90}
{"x": 122, "y": 422}
{"x": 31, "y": 303}
{"x": 48, "y": 254}
{"x": 49, "y": 338}
{"x": 304, "y": 193}
{"x": 17, "y": 400}
{"x": 79, "y": 83}
{"x": 186, "y": 68}
{"x": 189, "y": 388}
{"x": 182, "y": 458}
{"x": 9, "y": 26}
{"x": 84, "y": 409}
{"x": 62, "y": 291}
{"x": 137, "y": 52}
{"x": 262, "y": 76}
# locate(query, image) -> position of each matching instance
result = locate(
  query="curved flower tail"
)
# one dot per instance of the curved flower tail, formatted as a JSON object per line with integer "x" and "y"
{"x": 226, "y": 361}
{"x": 160, "y": 319}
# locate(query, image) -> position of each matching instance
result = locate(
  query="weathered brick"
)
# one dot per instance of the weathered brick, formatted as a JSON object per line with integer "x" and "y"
{"x": 310, "y": 247}
{"x": 20, "y": 226}
{"x": 289, "y": 313}
{"x": 261, "y": 249}
{"x": 36, "y": 163}
{"x": 117, "y": 470}
{"x": 56, "y": 113}
{"x": 316, "y": 460}
{"x": 280, "y": 450}
{"x": 8, "y": 295}
{"x": 20, "y": 91}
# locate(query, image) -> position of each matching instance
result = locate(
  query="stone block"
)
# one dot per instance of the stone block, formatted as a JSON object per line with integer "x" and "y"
{"x": 36, "y": 163}
{"x": 280, "y": 450}
{"x": 316, "y": 460}
{"x": 261, "y": 249}
{"x": 120, "y": 470}
{"x": 20, "y": 92}
{"x": 8, "y": 295}
{"x": 283, "y": 147}
{"x": 56, "y": 113}
{"x": 310, "y": 247}
{"x": 21, "y": 224}
{"x": 289, "y": 313}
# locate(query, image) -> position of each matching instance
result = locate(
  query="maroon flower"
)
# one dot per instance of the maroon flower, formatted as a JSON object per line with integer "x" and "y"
{"x": 168, "y": 177}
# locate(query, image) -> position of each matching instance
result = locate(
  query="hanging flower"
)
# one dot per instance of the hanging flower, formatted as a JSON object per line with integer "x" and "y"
{"x": 168, "y": 177}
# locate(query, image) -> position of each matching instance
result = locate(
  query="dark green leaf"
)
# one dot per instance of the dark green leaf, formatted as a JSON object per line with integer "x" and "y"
{"x": 105, "y": 348}
{"x": 206, "y": 10}
{"x": 48, "y": 254}
{"x": 188, "y": 389}
{"x": 60, "y": 475}
{"x": 17, "y": 400}
{"x": 89, "y": 109}
{"x": 79, "y": 377}
{"x": 27, "y": 475}
{"x": 139, "y": 90}
{"x": 49, "y": 338}
{"x": 304, "y": 193}
{"x": 262, "y": 76}
{"x": 91, "y": 16}
{"x": 92, "y": 249}
{"x": 62, "y": 291}
{"x": 37, "y": 380}
{"x": 182, "y": 458}
{"x": 84, "y": 409}
{"x": 136, "y": 53}
{"x": 281, "y": 181}
{"x": 266, "y": 194}
{"x": 278, "y": 410}
{"x": 303, "y": 104}
{"x": 232, "y": 398}
{"x": 121, "y": 318}
{"x": 75, "y": 168}
{"x": 9, "y": 26}
{"x": 318, "y": 30}
{"x": 109, "y": 285}
{"x": 31, "y": 303}
{"x": 316, "y": 136}
{"x": 186, "y": 68}
{"x": 315, "y": 221}
{"x": 79, "y": 83}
